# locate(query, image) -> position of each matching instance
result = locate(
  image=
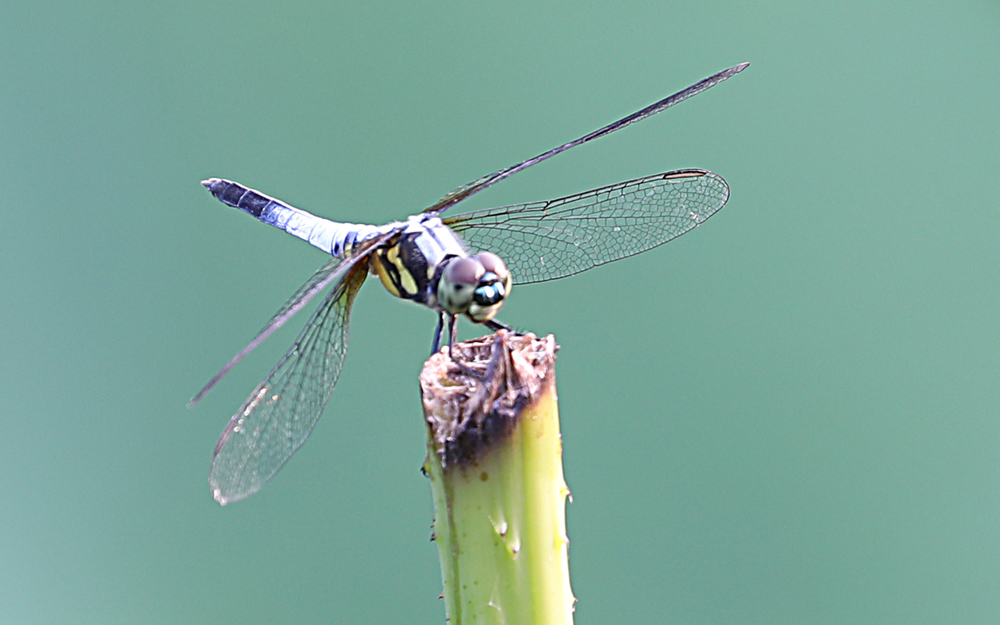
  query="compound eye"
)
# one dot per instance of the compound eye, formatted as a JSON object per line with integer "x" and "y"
{"x": 493, "y": 263}
{"x": 463, "y": 271}
{"x": 458, "y": 283}
{"x": 490, "y": 291}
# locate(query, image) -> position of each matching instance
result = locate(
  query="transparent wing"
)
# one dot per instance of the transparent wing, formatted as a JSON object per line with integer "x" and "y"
{"x": 476, "y": 186}
{"x": 282, "y": 411}
{"x": 319, "y": 281}
{"x": 548, "y": 240}
{"x": 326, "y": 275}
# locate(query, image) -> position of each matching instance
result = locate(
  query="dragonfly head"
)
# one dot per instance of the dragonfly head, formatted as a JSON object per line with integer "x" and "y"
{"x": 475, "y": 286}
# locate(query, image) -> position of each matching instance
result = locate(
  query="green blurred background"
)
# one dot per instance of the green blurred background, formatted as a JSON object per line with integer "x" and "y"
{"x": 788, "y": 416}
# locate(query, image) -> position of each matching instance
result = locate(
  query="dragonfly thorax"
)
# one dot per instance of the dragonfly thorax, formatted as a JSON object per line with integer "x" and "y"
{"x": 428, "y": 264}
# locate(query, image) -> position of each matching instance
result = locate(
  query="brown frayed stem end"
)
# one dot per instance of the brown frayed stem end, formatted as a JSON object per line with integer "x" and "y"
{"x": 474, "y": 403}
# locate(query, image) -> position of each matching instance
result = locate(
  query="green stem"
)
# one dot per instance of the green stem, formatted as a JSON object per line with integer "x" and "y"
{"x": 495, "y": 464}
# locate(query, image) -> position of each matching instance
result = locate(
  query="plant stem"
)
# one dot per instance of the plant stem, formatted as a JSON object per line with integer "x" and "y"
{"x": 494, "y": 458}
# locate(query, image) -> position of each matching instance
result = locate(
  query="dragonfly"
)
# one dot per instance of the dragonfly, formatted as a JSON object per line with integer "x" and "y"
{"x": 427, "y": 259}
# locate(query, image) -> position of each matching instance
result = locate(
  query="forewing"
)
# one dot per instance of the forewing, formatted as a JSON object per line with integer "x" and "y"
{"x": 476, "y": 186}
{"x": 282, "y": 411}
{"x": 548, "y": 240}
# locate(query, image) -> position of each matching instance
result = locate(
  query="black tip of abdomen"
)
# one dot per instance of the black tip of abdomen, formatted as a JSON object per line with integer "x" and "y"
{"x": 236, "y": 195}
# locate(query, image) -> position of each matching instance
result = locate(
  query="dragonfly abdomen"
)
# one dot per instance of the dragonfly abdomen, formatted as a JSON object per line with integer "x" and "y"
{"x": 332, "y": 237}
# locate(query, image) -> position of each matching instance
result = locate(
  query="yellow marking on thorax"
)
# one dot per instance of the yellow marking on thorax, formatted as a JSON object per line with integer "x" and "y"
{"x": 375, "y": 261}
{"x": 395, "y": 276}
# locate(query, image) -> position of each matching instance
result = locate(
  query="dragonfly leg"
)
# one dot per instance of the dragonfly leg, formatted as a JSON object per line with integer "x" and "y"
{"x": 452, "y": 336}
{"x": 452, "y": 339}
{"x": 437, "y": 334}
{"x": 495, "y": 325}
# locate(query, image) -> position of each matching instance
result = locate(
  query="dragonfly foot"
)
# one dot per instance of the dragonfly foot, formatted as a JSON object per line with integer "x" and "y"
{"x": 495, "y": 325}
{"x": 464, "y": 368}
